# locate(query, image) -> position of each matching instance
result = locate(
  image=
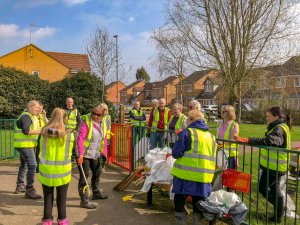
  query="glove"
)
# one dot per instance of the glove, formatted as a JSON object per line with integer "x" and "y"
{"x": 241, "y": 139}
{"x": 80, "y": 160}
{"x": 177, "y": 132}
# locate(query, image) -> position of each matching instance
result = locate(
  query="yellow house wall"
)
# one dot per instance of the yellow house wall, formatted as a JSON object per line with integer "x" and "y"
{"x": 31, "y": 59}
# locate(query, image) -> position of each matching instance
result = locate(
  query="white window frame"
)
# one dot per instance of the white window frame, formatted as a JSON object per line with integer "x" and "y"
{"x": 297, "y": 81}
{"x": 123, "y": 93}
{"x": 36, "y": 73}
{"x": 208, "y": 86}
{"x": 190, "y": 88}
{"x": 280, "y": 82}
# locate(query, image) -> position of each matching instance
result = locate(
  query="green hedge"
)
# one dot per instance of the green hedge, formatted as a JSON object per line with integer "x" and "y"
{"x": 17, "y": 88}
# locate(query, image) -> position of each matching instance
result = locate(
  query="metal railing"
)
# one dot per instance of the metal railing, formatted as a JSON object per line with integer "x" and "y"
{"x": 259, "y": 207}
{"x": 7, "y": 127}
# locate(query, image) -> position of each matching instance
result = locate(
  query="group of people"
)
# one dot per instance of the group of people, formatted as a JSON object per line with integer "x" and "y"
{"x": 196, "y": 150}
{"x": 48, "y": 146}
{"x": 193, "y": 146}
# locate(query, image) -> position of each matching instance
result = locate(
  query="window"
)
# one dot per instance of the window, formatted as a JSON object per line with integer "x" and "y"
{"x": 297, "y": 81}
{"x": 280, "y": 82}
{"x": 161, "y": 91}
{"x": 209, "y": 86}
{"x": 190, "y": 88}
{"x": 35, "y": 73}
{"x": 123, "y": 93}
{"x": 262, "y": 84}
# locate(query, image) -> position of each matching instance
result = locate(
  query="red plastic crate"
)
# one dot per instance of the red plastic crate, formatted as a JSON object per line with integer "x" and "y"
{"x": 236, "y": 180}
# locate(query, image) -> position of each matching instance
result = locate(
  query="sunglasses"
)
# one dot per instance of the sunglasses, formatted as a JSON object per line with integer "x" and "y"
{"x": 96, "y": 114}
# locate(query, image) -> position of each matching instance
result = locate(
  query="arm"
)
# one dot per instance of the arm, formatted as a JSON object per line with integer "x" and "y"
{"x": 276, "y": 139}
{"x": 24, "y": 123}
{"x": 83, "y": 132}
{"x": 182, "y": 144}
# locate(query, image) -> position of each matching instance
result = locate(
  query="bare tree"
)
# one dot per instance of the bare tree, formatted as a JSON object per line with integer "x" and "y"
{"x": 235, "y": 36}
{"x": 101, "y": 51}
{"x": 171, "y": 48}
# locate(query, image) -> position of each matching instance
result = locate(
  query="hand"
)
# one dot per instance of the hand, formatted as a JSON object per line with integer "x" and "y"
{"x": 80, "y": 160}
{"x": 177, "y": 132}
{"x": 241, "y": 139}
{"x": 165, "y": 136}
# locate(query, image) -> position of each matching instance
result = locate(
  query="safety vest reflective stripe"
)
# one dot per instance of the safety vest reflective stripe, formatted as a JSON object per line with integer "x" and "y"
{"x": 193, "y": 169}
{"x": 274, "y": 158}
{"x": 137, "y": 113}
{"x": 231, "y": 149}
{"x": 71, "y": 120}
{"x": 156, "y": 118}
{"x": 60, "y": 175}
{"x": 22, "y": 140}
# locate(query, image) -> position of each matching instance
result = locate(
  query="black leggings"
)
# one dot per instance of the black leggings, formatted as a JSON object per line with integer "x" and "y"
{"x": 61, "y": 200}
{"x": 179, "y": 202}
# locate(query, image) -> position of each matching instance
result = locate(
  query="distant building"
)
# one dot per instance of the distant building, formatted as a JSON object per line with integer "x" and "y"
{"x": 51, "y": 66}
{"x": 111, "y": 91}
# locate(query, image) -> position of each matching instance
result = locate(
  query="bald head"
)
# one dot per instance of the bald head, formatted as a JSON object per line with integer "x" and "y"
{"x": 162, "y": 103}
{"x": 70, "y": 103}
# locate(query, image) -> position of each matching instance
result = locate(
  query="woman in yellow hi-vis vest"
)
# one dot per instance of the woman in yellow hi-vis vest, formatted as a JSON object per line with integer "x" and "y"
{"x": 273, "y": 163}
{"x": 193, "y": 171}
{"x": 176, "y": 123}
{"x": 227, "y": 130}
{"x": 90, "y": 144}
{"x": 26, "y": 134}
{"x": 55, "y": 150}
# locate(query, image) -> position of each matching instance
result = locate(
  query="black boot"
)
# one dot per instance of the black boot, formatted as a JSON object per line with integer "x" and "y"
{"x": 84, "y": 199}
{"x": 96, "y": 191}
{"x": 99, "y": 195}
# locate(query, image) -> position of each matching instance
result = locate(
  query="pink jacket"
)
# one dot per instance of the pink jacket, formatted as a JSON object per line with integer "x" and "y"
{"x": 83, "y": 132}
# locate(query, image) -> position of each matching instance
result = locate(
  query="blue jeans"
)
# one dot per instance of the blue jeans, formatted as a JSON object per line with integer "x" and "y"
{"x": 157, "y": 140}
{"x": 27, "y": 159}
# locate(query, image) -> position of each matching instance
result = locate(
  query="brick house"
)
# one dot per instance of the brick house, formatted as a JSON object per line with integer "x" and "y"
{"x": 111, "y": 91}
{"x": 51, "y": 66}
{"x": 161, "y": 89}
{"x": 194, "y": 84}
{"x": 279, "y": 84}
{"x": 128, "y": 93}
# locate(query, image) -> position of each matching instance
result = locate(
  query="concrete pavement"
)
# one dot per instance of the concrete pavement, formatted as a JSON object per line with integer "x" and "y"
{"x": 15, "y": 209}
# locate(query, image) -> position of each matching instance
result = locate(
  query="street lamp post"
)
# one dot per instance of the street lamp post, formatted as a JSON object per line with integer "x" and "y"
{"x": 117, "y": 76}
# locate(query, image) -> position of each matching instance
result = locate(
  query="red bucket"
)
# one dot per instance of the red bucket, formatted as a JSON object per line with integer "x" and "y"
{"x": 236, "y": 180}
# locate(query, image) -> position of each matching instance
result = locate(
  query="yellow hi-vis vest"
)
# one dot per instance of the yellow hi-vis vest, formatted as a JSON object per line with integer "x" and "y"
{"x": 71, "y": 120}
{"x": 198, "y": 163}
{"x": 283, "y": 157}
{"x": 137, "y": 113}
{"x": 87, "y": 118}
{"x": 22, "y": 140}
{"x": 55, "y": 160}
{"x": 230, "y": 149}
{"x": 107, "y": 122}
{"x": 42, "y": 121}
{"x": 156, "y": 118}
{"x": 179, "y": 123}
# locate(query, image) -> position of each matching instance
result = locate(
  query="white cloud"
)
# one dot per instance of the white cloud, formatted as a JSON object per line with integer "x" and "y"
{"x": 13, "y": 31}
{"x": 131, "y": 19}
{"x": 74, "y": 2}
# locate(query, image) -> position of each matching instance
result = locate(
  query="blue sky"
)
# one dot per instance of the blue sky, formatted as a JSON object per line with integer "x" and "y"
{"x": 65, "y": 25}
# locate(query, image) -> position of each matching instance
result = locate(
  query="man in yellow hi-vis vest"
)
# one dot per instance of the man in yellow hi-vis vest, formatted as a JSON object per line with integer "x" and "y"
{"x": 137, "y": 119}
{"x": 73, "y": 115}
{"x": 158, "y": 121}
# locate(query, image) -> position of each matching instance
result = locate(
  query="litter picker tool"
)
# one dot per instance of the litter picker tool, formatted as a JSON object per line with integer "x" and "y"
{"x": 86, "y": 187}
